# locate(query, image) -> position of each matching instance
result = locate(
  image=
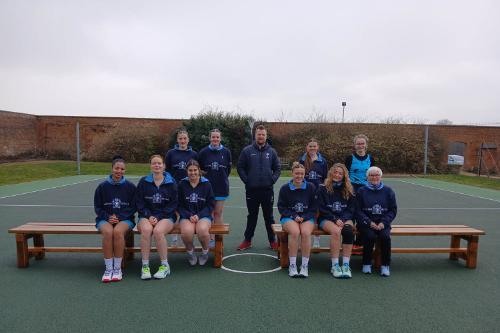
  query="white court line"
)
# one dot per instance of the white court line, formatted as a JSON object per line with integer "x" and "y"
{"x": 450, "y": 191}
{"x": 240, "y": 207}
{"x": 51, "y": 188}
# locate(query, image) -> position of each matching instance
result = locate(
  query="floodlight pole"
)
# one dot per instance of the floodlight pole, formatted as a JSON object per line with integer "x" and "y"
{"x": 343, "y": 109}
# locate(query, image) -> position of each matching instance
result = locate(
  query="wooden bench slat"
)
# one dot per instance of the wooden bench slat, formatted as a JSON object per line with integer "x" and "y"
{"x": 428, "y": 250}
{"x": 97, "y": 249}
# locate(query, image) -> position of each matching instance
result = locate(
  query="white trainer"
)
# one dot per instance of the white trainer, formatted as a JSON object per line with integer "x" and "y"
{"x": 107, "y": 276}
{"x": 292, "y": 271}
{"x": 304, "y": 271}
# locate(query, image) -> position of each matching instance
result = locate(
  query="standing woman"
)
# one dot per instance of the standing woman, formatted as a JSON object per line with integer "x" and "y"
{"x": 176, "y": 160}
{"x": 196, "y": 204}
{"x": 215, "y": 160}
{"x": 297, "y": 206}
{"x": 376, "y": 209}
{"x": 156, "y": 203}
{"x": 336, "y": 211}
{"x": 316, "y": 169}
{"x": 358, "y": 162}
{"x": 114, "y": 204}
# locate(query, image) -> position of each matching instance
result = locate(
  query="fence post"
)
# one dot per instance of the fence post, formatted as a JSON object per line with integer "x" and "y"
{"x": 425, "y": 148}
{"x": 78, "y": 146}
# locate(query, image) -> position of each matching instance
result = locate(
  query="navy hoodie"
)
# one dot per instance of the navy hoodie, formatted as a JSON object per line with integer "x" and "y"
{"x": 332, "y": 206}
{"x": 158, "y": 201}
{"x": 216, "y": 163}
{"x": 375, "y": 205}
{"x": 176, "y": 161}
{"x": 318, "y": 172}
{"x": 115, "y": 198}
{"x": 259, "y": 167}
{"x": 195, "y": 201}
{"x": 293, "y": 201}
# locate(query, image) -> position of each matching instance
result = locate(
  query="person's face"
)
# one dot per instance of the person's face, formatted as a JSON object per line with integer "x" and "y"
{"x": 360, "y": 146}
{"x": 182, "y": 140}
{"x": 298, "y": 175}
{"x": 260, "y": 137}
{"x": 157, "y": 165}
{"x": 374, "y": 178}
{"x": 118, "y": 171}
{"x": 215, "y": 139}
{"x": 338, "y": 174}
{"x": 312, "y": 148}
{"x": 193, "y": 172}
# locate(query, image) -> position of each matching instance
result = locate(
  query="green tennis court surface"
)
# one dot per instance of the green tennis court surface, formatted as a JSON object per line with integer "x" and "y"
{"x": 63, "y": 293}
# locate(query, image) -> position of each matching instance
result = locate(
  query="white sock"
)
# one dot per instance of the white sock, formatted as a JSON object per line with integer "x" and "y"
{"x": 117, "y": 263}
{"x": 145, "y": 262}
{"x": 108, "y": 263}
{"x": 346, "y": 260}
{"x": 190, "y": 252}
{"x": 203, "y": 251}
{"x": 164, "y": 262}
{"x": 335, "y": 261}
{"x": 293, "y": 261}
{"x": 305, "y": 261}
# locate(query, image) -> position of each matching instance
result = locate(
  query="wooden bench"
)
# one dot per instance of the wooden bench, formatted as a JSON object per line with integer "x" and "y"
{"x": 37, "y": 230}
{"x": 456, "y": 232}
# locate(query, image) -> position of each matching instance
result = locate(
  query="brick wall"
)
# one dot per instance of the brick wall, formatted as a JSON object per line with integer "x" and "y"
{"x": 24, "y": 134}
{"x": 18, "y": 135}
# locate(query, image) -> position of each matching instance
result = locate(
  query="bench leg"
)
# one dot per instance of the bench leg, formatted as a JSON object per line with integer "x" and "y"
{"x": 38, "y": 242}
{"x": 455, "y": 243}
{"x": 22, "y": 250}
{"x": 283, "y": 250}
{"x": 472, "y": 245}
{"x": 219, "y": 251}
{"x": 129, "y": 245}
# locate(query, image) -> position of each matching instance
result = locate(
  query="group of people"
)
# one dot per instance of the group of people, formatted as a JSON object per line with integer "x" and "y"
{"x": 190, "y": 188}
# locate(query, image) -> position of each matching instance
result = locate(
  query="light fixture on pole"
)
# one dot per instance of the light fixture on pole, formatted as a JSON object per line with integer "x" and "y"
{"x": 343, "y": 108}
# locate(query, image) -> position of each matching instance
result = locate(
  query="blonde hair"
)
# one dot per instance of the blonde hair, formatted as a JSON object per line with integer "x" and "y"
{"x": 360, "y": 136}
{"x": 154, "y": 156}
{"x": 297, "y": 165}
{"x": 347, "y": 190}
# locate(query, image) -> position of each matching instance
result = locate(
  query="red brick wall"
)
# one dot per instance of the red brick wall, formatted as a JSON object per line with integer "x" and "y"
{"x": 18, "y": 135}
{"x": 22, "y": 134}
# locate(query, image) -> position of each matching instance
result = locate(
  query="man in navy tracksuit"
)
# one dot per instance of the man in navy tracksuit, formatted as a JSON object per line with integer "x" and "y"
{"x": 259, "y": 168}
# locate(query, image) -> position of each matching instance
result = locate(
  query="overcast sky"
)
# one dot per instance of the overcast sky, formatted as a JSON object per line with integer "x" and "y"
{"x": 277, "y": 60}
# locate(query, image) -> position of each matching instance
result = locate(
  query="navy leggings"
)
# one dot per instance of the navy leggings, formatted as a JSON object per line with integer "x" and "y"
{"x": 369, "y": 237}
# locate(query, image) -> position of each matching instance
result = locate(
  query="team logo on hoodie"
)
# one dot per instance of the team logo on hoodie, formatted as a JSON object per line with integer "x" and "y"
{"x": 181, "y": 165}
{"x": 116, "y": 203}
{"x": 267, "y": 155}
{"x": 193, "y": 197}
{"x": 299, "y": 207}
{"x": 377, "y": 209}
{"x": 313, "y": 175}
{"x": 214, "y": 165}
{"x": 337, "y": 206}
{"x": 156, "y": 198}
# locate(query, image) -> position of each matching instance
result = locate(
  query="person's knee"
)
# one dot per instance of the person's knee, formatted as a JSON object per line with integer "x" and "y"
{"x": 347, "y": 234}
{"x": 368, "y": 237}
{"x": 107, "y": 233}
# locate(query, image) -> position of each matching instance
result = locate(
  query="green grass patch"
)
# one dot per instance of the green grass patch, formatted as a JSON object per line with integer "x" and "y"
{"x": 22, "y": 172}
{"x": 484, "y": 182}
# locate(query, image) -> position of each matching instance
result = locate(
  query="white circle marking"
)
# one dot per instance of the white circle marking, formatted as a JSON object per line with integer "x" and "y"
{"x": 249, "y": 254}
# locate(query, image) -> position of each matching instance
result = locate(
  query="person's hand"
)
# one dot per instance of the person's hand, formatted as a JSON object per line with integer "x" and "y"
{"x": 380, "y": 226}
{"x": 299, "y": 219}
{"x": 373, "y": 225}
{"x": 153, "y": 220}
{"x": 113, "y": 219}
{"x": 339, "y": 223}
{"x": 194, "y": 218}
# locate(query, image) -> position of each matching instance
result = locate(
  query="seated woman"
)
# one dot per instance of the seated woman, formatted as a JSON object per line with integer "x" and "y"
{"x": 156, "y": 203}
{"x": 376, "y": 209}
{"x": 336, "y": 209}
{"x": 297, "y": 206}
{"x": 196, "y": 204}
{"x": 114, "y": 204}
